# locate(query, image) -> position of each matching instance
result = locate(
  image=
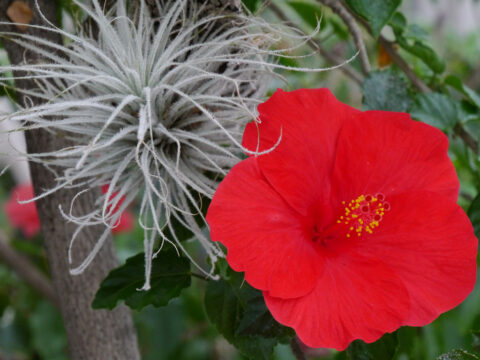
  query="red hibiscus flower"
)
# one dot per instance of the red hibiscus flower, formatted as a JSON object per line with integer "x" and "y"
{"x": 126, "y": 221}
{"x": 23, "y": 216}
{"x": 350, "y": 225}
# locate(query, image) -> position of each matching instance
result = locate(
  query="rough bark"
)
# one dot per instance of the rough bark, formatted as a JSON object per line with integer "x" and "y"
{"x": 92, "y": 334}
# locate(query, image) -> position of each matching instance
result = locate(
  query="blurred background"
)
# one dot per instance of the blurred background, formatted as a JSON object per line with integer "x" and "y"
{"x": 31, "y": 327}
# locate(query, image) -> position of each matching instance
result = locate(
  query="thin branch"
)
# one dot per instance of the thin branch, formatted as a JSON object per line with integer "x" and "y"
{"x": 416, "y": 81}
{"x": 297, "y": 350}
{"x": 315, "y": 45}
{"x": 403, "y": 65}
{"x": 27, "y": 271}
{"x": 349, "y": 20}
{"x": 466, "y": 137}
{"x": 390, "y": 49}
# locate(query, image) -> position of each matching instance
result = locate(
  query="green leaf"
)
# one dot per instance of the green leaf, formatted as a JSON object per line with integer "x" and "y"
{"x": 252, "y": 5}
{"x": 474, "y": 215}
{"x": 423, "y": 52}
{"x": 415, "y": 32}
{"x": 48, "y": 332}
{"x": 384, "y": 349}
{"x": 410, "y": 344}
{"x": 385, "y": 90}
{"x": 436, "y": 109}
{"x": 170, "y": 274}
{"x": 240, "y": 315}
{"x": 257, "y": 320}
{"x": 457, "y": 84}
{"x": 376, "y": 12}
{"x": 309, "y": 12}
{"x": 398, "y": 22}
{"x": 458, "y": 354}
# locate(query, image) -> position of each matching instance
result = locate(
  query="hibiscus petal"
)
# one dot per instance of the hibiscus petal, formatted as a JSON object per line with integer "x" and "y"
{"x": 356, "y": 298}
{"x": 264, "y": 236}
{"x": 125, "y": 223}
{"x": 308, "y": 121}
{"x": 429, "y": 242}
{"x": 387, "y": 152}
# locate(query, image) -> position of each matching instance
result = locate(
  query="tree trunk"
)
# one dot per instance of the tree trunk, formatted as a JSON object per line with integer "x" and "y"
{"x": 92, "y": 334}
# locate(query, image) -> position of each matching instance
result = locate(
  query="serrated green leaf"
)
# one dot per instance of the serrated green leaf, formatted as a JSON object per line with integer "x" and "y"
{"x": 384, "y": 349}
{"x": 309, "y": 12}
{"x": 423, "y": 52}
{"x": 385, "y": 90}
{"x": 474, "y": 215}
{"x": 458, "y": 84}
{"x": 240, "y": 315}
{"x": 376, "y": 12}
{"x": 170, "y": 274}
{"x": 435, "y": 109}
{"x": 458, "y": 354}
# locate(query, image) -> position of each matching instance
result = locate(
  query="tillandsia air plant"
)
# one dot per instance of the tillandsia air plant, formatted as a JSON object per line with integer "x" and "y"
{"x": 154, "y": 105}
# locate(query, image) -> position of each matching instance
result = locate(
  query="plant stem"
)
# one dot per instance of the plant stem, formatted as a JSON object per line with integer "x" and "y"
{"x": 416, "y": 81}
{"x": 27, "y": 271}
{"x": 315, "y": 45}
{"x": 349, "y": 20}
{"x": 297, "y": 350}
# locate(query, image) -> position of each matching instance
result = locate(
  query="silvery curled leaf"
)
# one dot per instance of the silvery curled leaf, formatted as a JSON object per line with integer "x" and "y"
{"x": 154, "y": 104}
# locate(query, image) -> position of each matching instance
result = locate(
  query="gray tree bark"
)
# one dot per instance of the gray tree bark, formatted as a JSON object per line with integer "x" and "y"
{"x": 92, "y": 334}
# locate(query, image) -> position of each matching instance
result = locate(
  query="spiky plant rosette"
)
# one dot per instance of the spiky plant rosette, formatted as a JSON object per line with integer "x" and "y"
{"x": 154, "y": 106}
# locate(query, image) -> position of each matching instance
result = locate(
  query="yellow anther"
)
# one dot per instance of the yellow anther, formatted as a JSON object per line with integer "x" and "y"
{"x": 360, "y": 214}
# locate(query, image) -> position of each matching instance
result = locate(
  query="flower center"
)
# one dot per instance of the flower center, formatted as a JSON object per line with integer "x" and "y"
{"x": 363, "y": 214}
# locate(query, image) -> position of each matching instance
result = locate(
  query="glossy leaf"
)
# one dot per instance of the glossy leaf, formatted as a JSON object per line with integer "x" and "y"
{"x": 385, "y": 90}
{"x": 423, "y": 52}
{"x": 384, "y": 349}
{"x": 170, "y": 274}
{"x": 240, "y": 315}
{"x": 376, "y": 12}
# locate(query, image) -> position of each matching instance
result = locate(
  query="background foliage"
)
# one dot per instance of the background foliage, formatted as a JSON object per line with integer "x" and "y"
{"x": 186, "y": 317}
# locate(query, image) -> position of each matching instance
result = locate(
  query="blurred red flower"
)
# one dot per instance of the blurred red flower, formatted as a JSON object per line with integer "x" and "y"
{"x": 126, "y": 221}
{"x": 350, "y": 225}
{"x": 25, "y": 216}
